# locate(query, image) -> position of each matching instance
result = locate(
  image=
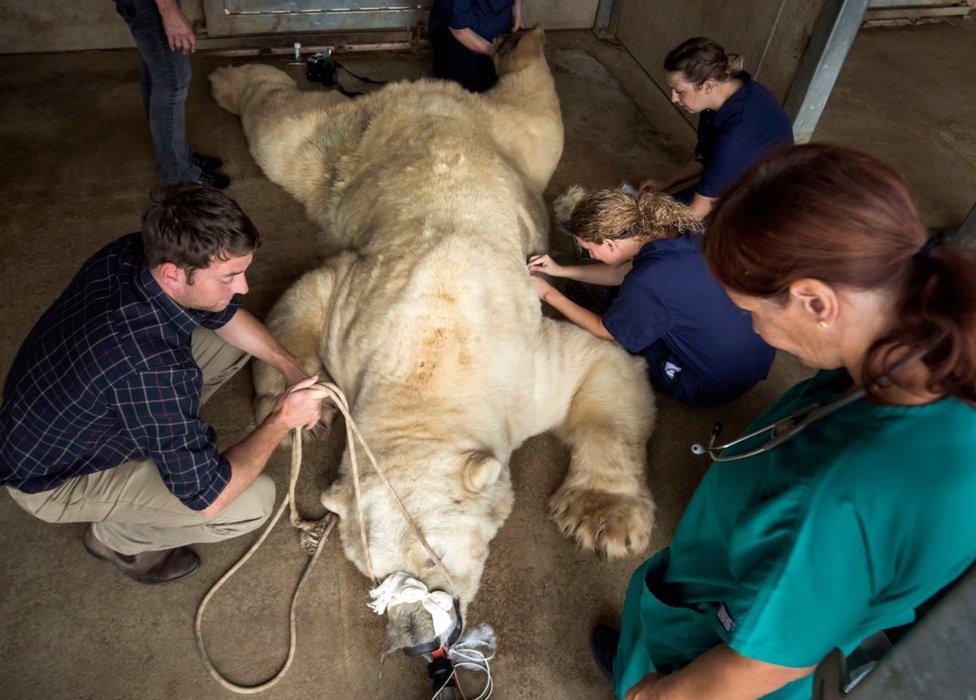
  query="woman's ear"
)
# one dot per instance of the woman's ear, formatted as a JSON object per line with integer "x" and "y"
{"x": 707, "y": 87}
{"x": 818, "y": 300}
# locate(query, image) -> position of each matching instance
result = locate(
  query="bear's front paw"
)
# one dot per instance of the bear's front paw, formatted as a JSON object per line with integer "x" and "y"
{"x": 612, "y": 525}
{"x": 321, "y": 430}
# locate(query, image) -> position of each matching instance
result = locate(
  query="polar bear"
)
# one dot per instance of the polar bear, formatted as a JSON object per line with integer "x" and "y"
{"x": 427, "y": 320}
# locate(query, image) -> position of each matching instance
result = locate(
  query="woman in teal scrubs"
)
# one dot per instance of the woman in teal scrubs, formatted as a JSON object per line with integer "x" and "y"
{"x": 848, "y": 527}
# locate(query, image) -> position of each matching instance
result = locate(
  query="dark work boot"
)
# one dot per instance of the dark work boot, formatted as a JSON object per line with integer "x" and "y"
{"x": 215, "y": 179}
{"x": 603, "y": 645}
{"x": 205, "y": 162}
{"x": 146, "y": 567}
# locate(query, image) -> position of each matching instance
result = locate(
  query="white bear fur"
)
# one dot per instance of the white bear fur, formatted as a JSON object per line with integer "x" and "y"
{"x": 427, "y": 318}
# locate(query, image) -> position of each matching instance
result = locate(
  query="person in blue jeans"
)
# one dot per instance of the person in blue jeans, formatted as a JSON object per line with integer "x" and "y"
{"x": 165, "y": 38}
{"x": 700, "y": 349}
{"x": 739, "y": 121}
{"x": 461, "y": 32}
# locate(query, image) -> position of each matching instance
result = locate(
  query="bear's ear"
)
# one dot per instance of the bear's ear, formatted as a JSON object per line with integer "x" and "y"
{"x": 534, "y": 39}
{"x": 480, "y": 470}
{"x": 336, "y": 498}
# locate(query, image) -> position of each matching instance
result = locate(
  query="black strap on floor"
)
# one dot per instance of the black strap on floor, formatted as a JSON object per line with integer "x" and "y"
{"x": 360, "y": 77}
{"x": 363, "y": 79}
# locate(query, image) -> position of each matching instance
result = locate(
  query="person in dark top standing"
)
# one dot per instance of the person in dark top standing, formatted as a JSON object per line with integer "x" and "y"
{"x": 739, "y": 121}
{"x": 461, "y": 32}
{"x": 164, "y": 38}
{"x": 100, "y": 419}
{"x": 699, "y": 347}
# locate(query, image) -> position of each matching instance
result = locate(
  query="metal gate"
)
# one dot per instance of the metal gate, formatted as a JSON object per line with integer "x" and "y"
{"x": 239, "y": 17}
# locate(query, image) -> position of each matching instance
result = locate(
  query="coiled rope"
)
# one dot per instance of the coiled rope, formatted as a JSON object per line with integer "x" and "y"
{"x": 314, "y": 534}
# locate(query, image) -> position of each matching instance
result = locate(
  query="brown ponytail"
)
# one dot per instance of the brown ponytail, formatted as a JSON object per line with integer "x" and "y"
{"x": 843, "y": 217}
{"x": 699, "y": 59}
{"x": 733, "y": 64}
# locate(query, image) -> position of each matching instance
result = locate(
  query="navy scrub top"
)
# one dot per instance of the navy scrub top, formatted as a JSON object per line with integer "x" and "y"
{"x": 486, "y": 18}
{"x": 673, "y": 312}
{"x": 750, "y": 125}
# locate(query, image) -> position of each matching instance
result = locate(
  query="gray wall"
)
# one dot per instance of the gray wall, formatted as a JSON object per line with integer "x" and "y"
{"x": 67, "y": 25}
{"x": 72, "y": 25}
{"x": 770, "y": 34}
{"x": 560, "y": 14}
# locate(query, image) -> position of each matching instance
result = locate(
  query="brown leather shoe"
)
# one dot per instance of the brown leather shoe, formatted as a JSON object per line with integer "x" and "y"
{"x": 146, "y": 567}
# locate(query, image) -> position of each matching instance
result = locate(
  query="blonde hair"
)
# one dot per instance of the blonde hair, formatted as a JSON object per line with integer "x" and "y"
{"x": 613, "y": 214}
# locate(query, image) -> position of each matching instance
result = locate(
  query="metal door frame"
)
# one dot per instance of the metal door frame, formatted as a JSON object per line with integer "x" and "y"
{"x": 228, "y": 18}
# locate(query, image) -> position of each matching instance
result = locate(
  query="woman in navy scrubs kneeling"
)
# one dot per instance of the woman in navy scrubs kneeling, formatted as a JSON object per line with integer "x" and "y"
{"x": 739, "y": 121}
{"x": 699, "y": 347}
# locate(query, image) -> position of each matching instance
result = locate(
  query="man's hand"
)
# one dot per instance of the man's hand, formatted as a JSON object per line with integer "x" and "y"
{"x": 652, "y": 185}
{"x": 293, "y": 372}
{"x": 644, "y": 689}
{"x": 541, "y": 287}
{"x": 517, "y": 16}
{"x": 301, "y": 405}
{"x": 545, "y": 265}
{"x": 179, "y": 31}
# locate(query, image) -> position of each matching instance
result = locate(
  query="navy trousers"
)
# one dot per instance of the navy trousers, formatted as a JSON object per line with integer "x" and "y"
{"x": 454, "y": 61}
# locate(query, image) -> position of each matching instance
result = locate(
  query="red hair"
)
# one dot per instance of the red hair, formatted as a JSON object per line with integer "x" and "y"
{"x": 842, "y": 217}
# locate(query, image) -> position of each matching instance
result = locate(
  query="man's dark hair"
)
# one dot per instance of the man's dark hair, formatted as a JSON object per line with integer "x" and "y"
{"x": 190, "y": 225}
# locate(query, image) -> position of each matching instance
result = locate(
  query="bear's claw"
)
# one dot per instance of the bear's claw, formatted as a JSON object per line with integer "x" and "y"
{"x": 611, "y": 525}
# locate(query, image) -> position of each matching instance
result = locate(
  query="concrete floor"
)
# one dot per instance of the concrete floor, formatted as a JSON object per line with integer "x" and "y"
{"x": 76, "y": 164}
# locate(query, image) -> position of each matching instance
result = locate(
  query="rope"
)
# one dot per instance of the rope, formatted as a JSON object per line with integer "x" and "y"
{"x": 352, "y": 436}
{"x": 314, "y": 535}
{"x": 474, "y": 651}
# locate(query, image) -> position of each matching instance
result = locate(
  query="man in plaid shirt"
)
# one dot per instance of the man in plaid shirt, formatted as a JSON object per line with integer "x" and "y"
{"x": 100, "y": 419}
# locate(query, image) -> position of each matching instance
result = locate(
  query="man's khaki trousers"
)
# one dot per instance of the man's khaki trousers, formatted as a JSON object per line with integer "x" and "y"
{"x": 129, "y": 506}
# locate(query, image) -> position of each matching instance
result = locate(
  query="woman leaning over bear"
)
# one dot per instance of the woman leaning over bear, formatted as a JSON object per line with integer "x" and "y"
{"x": 846, "y": 528}
{"x": 699, "y": 348}
{"x": 461, "y": 35}
{"x": 739, "y": 121}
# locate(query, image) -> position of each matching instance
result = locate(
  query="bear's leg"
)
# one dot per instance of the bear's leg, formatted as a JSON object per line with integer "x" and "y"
{"x": 604, "y": 502}
{"x": 533, "y": 223}
{"x": 298, "y": 321}
{"x": 281, "y": 124}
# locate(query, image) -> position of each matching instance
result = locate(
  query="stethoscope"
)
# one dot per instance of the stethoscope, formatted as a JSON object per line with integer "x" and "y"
{"x": 787, "y": 428}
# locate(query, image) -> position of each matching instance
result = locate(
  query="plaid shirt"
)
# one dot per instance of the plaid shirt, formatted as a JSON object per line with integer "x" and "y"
{"x": 106, "y": 376}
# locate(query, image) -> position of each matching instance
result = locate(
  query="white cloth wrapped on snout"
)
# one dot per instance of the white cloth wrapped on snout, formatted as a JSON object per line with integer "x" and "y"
{"x": 400, "y": 588}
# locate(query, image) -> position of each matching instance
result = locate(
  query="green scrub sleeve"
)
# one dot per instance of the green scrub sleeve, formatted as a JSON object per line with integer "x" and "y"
{"x": 798, "y": 593}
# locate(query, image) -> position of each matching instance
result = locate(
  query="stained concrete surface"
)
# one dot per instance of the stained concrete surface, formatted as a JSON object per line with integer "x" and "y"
{"x": 76, "y": 166}
{"x": 908, "y": 95}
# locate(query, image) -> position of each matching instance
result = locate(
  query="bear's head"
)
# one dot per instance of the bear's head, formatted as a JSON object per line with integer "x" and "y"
{"x": 231, "y": 85}
{"x": 518, "y": 50}
{"x": 458, "y": 504}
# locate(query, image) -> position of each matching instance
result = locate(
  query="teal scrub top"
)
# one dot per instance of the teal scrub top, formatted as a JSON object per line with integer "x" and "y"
{"x": 839, "y": 533}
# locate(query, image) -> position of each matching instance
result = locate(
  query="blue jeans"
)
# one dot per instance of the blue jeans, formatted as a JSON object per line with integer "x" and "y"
{"x": 165, "y": 77}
